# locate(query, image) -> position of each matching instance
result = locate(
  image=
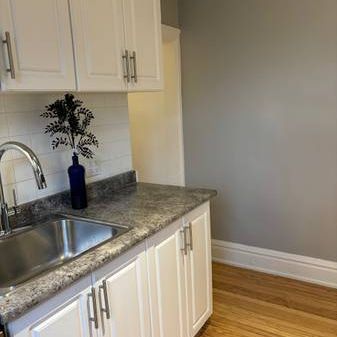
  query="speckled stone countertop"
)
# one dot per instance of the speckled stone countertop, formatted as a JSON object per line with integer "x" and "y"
{"x": 146, "y": 207}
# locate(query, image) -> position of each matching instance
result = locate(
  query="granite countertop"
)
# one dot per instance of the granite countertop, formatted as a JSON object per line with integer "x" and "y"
{"x": 147, "y": 208}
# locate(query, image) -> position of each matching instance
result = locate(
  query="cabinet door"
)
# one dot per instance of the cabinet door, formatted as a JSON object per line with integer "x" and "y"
{"x": 41, "y": 45}
{"x": 128, "y": 301}
{"x": 143, "y": 37}
{"x": 70, "y": 320}
{"x": 166, "y": 277}
{"x": 199, "y": 268}
{"x": 98, "y": 41}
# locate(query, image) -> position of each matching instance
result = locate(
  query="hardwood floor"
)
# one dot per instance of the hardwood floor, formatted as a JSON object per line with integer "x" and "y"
{"x": 253, "y": 304}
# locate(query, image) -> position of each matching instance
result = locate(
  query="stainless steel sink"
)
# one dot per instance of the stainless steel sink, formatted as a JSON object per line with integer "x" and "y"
{"x": 30, "y": 252}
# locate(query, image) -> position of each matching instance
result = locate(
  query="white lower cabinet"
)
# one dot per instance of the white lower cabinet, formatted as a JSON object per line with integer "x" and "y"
{"x": 66, "y": 314}
{"x": 68, "y": 321}
{"x": 124, "y": 301}
{"x": 198, "y": 268}
{"x": 160, "y": 288}
{"x": 166, "y": 281}
{"x": 180, "y": 275}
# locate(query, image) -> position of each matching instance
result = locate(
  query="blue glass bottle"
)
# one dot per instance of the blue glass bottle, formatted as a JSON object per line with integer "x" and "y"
{"x": 78, "y": 190}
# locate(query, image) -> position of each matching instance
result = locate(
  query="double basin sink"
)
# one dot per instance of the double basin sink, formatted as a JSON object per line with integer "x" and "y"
{"x": 37, "y": 249}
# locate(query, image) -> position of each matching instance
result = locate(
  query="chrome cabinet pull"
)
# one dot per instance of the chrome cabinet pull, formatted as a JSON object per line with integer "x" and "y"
{"x": 190, "y": 243}
{"x": 134, "y": 76}
{"x": 8, "y": 42}
{"x": 126, "y": 59}
{"x": 104, "y": 288}
{"x": 94, "y": 305}
{"x": 183, "y": 233}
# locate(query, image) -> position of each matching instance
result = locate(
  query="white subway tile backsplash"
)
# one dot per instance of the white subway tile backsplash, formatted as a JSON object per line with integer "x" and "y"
{"x": 38, "y": 123}
{"x": 117, "y": 100}
{"x": 56, "y": 182}
{"x": 20, "y": 121}
{"x": 2, "y": 108}
{"x": 109, "y": 168}
{"x": 9, "y": 195}
{"x": 55, "y": 162}
{"x": 7, "y": 156}
{"x": 112, "y": 133}
{"x": 124, "y": 162}
{"x": 41, "y": 143}
{"x": 114, "y": 166}
{"x": 25, "y": 102}
{"x": 26, "y": 191}
{"x": 109, "y": 115}
{"x": 25, "y": 139}
{"x": 93, "y": 100}
{"x": 25, "y": 123}
{"x": 122, "y": 148}
{"x": 111, "y": 150}
{"x": 7, "y": 172}
{"x": 3, "y": 125}
{"x": 22, "y": 169}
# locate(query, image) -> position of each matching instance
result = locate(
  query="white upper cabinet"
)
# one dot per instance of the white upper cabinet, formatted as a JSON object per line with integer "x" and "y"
{"x": 142, "y": 20}
{"x": 111, "y": 45}
{"x": 38, "y": 53}
{"x": 117, "y": 45}
{"x": 98, "y": 44}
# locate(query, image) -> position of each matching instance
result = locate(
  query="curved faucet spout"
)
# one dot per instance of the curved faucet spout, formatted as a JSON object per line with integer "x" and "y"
{"x": 38, "y": 173}
{"x": 30, "y": 155}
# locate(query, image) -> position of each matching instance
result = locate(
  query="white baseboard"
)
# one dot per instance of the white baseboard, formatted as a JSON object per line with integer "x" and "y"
{"x": 277, "y": 263}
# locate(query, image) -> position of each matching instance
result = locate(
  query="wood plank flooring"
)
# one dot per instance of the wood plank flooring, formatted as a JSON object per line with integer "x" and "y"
{"x": 253, "y": 304}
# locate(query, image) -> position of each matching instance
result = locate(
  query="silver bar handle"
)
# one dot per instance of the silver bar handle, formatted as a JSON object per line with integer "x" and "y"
{"x": 134, "y": 76}
{"x": 126, "y": 59}
{"x": 94, "y": 304}
{"x": 190, "y": 243}
{"x": 104, "y": 288}
{"x": 8, "y": 42}
{"x": 184, "y": 248}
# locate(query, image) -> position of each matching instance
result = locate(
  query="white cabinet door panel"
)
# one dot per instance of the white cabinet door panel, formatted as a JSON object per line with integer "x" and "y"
{"x": 70, "y": 320}
{"x": 41, "y": 43}
{"x": 199, "y": 269}
{"x": 142, "y": 20}
{"x": 98, "y": 41}
{"x": 166, "y": 275}
{"x": 128, "y": 301}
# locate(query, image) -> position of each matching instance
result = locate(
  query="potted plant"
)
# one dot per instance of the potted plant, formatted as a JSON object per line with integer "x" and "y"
{"x": 71, "y": 121}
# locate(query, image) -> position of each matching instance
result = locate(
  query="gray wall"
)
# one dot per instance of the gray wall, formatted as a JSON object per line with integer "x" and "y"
{"x": 260, "y": 119}
{"x": 169, "y": 12}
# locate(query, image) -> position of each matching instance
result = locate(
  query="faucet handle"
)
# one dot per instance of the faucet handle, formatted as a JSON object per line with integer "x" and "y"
{"x": 15, "y": 209}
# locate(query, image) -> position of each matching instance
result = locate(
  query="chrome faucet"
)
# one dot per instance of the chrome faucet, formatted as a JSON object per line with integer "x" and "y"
{"x": 5, "y": 227}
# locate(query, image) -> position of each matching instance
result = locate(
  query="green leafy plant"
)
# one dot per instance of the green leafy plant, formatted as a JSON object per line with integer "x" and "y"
{"x": 70, "y": 125}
